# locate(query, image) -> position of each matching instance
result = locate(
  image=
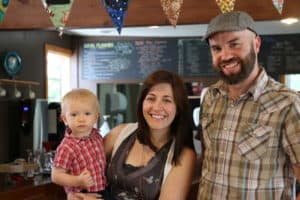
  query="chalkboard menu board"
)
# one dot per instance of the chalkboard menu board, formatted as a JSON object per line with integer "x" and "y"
{"x": 135, "y": 59}
{"x": 194, "y": 58}
{"x": 132, "y": 59}
{"x": 280, "y": 54}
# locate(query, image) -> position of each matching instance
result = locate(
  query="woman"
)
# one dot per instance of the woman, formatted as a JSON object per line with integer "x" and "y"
{"x": 153, "y": 158}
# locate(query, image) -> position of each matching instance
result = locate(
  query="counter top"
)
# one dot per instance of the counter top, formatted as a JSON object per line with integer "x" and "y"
{"x": 17, "y": 167}
{"x": 38, "y": 188}
{"x": 36, "y": 181}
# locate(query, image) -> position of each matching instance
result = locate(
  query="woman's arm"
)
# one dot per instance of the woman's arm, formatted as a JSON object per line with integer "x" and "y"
{"x": 82, "y": 196}
{"x": 110, "y": 138}
{"x": 179, "y": 180}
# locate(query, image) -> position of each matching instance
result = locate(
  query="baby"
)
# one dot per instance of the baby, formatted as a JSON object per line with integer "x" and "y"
{"x": 79, "y": 163}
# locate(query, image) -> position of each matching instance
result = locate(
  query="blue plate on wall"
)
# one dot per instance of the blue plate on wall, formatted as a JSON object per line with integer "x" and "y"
{"x": 12, "y": 63}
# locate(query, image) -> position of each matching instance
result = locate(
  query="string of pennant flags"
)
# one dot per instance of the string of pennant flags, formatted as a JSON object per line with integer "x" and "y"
{"x": 59, "y": 10}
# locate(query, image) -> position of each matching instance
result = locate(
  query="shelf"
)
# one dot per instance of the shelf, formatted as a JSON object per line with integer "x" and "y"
{"x": 17, "y": 167}
{"x": 18, "y": 82}
{"x": 194, "y": 97}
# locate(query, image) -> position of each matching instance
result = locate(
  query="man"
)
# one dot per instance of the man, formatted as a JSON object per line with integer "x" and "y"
{"x": 250, "y": 123}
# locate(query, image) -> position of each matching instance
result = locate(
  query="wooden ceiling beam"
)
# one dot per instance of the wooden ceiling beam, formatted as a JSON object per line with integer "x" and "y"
{"x": 30, "y": 14}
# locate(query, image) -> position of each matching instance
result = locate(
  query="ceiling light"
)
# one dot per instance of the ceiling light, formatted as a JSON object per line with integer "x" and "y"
{"x": 106, "y": 31}
{"x": 289, "y": 20}
{"x": 153, "y": 27}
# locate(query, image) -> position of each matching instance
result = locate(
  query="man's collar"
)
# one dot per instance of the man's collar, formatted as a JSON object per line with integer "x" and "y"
{"x": 255, "y": 89}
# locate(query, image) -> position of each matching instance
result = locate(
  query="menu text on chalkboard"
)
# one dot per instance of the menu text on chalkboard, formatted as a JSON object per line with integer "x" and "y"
{"x": 134, "y": 59}
{"x": 280, "y": 54}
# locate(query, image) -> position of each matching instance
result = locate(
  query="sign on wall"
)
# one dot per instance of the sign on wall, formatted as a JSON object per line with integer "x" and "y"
{"x": 134, "y": 59}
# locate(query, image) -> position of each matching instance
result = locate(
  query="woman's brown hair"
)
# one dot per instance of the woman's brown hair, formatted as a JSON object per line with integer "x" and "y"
{"x": 181, "y": 127}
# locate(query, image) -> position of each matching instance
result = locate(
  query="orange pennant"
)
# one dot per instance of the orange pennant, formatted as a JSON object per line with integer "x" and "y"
{"x": 278, "y": 5}
{"x": 226, "y": 5}
{"x": 172, "y": 9}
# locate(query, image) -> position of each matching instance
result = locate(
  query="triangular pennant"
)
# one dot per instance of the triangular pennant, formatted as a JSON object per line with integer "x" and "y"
{"x": 278, "y": 5}
{"x": 59, "y": 11}
{"x": 226, "y": 5}
{"x": 117, "y": 11}
{"x": 172, "y": 9}
{"x": 3, "y": 8}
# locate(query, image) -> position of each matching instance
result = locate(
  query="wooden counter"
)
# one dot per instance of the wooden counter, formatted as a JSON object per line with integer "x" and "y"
{"x": 45, "y": 190}
{"x": 33, "y": 190}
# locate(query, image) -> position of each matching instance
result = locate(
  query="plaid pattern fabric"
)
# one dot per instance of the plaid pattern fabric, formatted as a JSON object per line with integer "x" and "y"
{"x": 76, "y": 154}
{"x": 250, "y": 144}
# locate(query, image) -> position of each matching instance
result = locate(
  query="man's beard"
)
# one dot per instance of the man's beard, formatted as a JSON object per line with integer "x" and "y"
{"x": 247, "y": 66}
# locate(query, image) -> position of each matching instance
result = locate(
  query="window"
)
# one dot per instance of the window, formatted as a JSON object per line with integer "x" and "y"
{"x": 292, "y": 81}
{"x": 58, "y": 72}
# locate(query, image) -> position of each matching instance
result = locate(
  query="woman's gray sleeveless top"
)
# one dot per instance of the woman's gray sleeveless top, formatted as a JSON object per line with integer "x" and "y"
{"x": 136, "y": 183}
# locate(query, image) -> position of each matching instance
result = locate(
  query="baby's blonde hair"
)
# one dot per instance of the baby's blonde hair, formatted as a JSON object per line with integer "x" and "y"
{"x": 79, "y": 94}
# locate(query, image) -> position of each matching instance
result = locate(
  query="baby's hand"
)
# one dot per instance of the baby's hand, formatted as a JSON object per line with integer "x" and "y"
{"x": 85, "y": 179}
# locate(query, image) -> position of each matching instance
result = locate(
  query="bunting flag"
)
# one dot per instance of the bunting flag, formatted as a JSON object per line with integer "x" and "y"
{"x": 226, "y": 5}
{"x": 3, "y": 8}
{"x": 59, "y": 11}
{"x": 117, "y": 11}
{"x": 278, "y": 5}
{"x": 172, "y": 9}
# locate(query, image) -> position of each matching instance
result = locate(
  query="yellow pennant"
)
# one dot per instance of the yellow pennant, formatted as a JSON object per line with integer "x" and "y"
{"x": 226, "y": 5}
{"x": 172, "y": 9}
